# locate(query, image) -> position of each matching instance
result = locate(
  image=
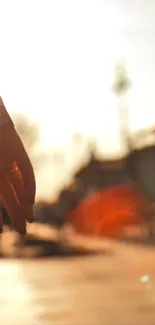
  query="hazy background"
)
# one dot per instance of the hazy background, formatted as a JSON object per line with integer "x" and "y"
{"x": 57, "y": 76}
{"x": 57, "y": 61}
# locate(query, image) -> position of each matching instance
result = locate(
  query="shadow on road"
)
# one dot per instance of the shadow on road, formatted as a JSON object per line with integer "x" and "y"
{"x": 34, "y": 247}
{"x": 58, "y": 249}
{"x": 148, "y": 242}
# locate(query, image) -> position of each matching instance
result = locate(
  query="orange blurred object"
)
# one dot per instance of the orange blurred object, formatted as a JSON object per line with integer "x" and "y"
{"x": 108, "y": 212}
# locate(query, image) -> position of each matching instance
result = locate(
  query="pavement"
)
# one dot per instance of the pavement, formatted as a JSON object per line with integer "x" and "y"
{"x": 114, "y": 286}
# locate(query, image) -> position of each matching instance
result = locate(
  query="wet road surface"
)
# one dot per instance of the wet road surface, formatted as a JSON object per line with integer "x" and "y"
{"x": 93, "y": 290}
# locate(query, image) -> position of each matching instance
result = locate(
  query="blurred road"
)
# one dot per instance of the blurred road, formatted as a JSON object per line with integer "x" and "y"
{"x": 114, "y": 289}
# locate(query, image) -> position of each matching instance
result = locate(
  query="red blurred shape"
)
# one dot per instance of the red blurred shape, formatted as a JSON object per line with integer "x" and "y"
{"x": 108, "y": 212}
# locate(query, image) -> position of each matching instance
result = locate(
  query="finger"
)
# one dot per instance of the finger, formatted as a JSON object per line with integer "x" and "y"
{"x": 16, "y": 179}
{"x": 25, "y": 167}
{"x": 1, "y": 223}
{"x": 29, "y": 213}
{"x": 12, "y": 206}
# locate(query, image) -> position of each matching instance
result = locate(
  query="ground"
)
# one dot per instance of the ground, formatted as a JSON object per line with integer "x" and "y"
{"x": 114, "y": 287}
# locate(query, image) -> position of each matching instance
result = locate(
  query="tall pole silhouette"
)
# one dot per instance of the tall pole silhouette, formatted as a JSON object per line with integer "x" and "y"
{"x": 120, "y": 88}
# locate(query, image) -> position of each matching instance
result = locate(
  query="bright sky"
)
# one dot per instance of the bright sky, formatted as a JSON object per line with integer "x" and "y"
{"x": 57, "y": 62}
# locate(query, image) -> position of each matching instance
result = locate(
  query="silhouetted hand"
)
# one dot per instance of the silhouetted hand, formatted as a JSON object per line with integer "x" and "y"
{"x": 17, "y": 179}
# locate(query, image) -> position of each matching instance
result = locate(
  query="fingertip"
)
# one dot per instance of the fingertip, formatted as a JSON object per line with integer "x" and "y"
{"x": 29, "y": 214}
{"x": 30, "y": 220}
